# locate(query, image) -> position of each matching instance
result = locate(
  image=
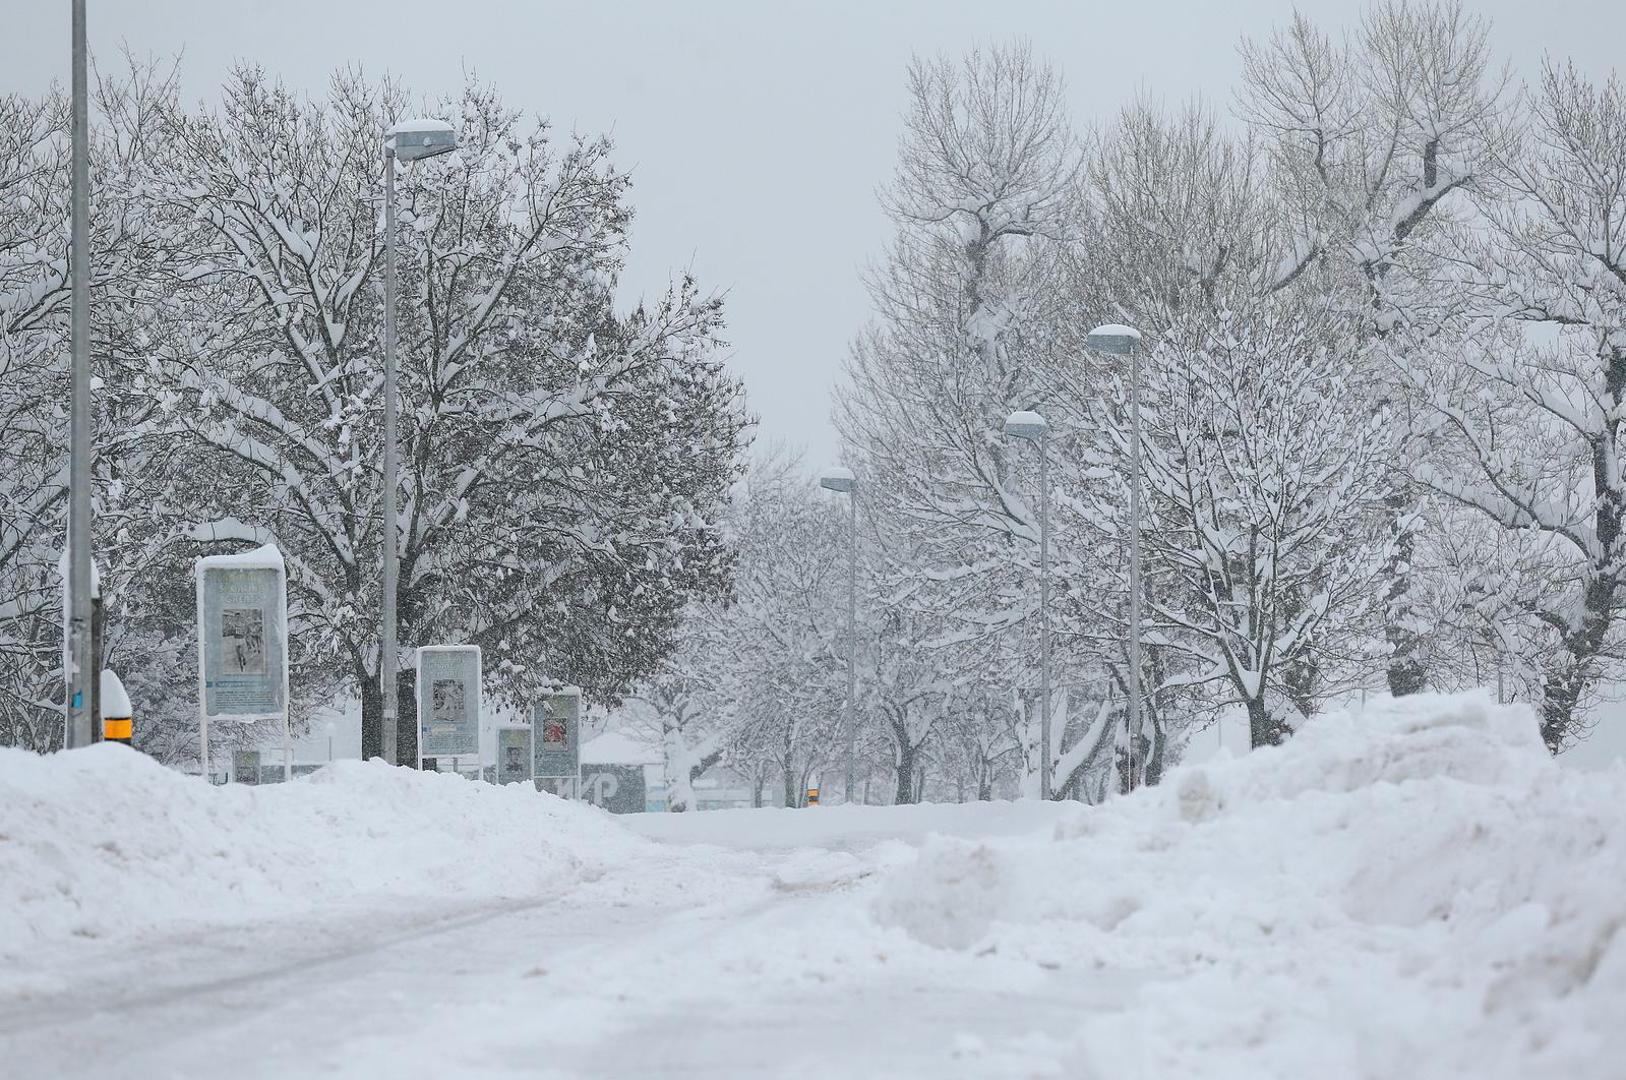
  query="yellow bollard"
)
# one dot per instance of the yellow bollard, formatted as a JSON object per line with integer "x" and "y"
{"x": 118, "y": 718}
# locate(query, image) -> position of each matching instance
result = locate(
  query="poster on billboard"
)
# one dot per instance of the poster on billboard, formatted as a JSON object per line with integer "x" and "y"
{"x": 556, "y": 719}
{"x": 448, "y": 701}
{"x": 514, "y": 756}
{"x": 243, "y": 635}
{"x": 245, "y": 766}
{"x": 243, "y": 642}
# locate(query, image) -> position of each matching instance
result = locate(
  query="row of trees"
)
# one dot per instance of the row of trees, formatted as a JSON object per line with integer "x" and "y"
{"x": 1384, "y": 314}
{"x": 565, "y": 460}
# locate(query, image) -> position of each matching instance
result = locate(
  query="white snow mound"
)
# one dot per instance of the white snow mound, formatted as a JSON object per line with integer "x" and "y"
{"x": 103, "y": 842}
{"x": 1415, "y": 889}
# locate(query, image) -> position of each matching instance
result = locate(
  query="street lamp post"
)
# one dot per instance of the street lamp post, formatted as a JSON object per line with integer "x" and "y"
{"x": 409, "y": 140}
{"x": 843, "y": 480}
{"x": 1125, "y": 341}
{"x": 1032, "y": 426}
{"x": 81, "y": 667}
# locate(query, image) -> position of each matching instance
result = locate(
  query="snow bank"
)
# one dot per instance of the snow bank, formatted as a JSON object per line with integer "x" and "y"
{"x": 103, "y": 842}
{"x": 1412, "y": 890}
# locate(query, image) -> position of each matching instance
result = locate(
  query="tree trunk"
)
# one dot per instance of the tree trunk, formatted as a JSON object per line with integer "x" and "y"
{"x": 406, "y": 720}
{"x": 372, "y": 718}
{"x": 905, "y": 793}
{"x": 1263, "y": 728}
{"x": 1299, "y": 681}
{"x": 1565, "y": 682}
{"x": 1155, "y": 752}
{"x": 1408, "y": 671}
{"x": 1560, "y": 691}
{"x": 1585, "y": 637}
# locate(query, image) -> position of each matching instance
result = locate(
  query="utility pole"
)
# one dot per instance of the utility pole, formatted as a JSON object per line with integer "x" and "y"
{"x": 1045, "y": 764}
{"x": 410, "y": 140}
{"x": 843, "y": 480}
{"x": 1125, "y": 340}
{"x": 1134, "y": 563}
{"x": 80, "y": 676}
{"x": 386, "y": 655}
{"x": 1025, "y": 424}
{"x": 852, "y": 643}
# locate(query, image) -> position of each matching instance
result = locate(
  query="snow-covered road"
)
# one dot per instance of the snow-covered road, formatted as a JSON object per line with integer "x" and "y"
{"x": 628, "y": 975}
{"x": 1413, "y": 891}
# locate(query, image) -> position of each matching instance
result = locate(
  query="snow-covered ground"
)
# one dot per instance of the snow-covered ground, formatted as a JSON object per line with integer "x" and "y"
{"x": 1414, "y": 891}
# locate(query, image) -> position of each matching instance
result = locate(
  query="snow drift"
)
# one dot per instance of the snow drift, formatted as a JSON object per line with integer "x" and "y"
{"x": 1412, "y": 890}
{"x": 1415, "y": 889}
{"x": 103, "y": 842}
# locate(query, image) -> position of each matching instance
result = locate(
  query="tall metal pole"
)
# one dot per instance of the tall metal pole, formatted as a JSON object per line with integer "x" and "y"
{"x": 1044, "y": 614}
{"x": 1134, "y": 717}
{"x": 852, "y": 639}
{"x": 77, "y": 719}
{"x": 386, "y": 659}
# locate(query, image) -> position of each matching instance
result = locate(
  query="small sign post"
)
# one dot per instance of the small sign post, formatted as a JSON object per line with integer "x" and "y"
{"x": 448, "y": 702}
{"x": 243, "y": 643}
{"x": 616, "y": 788}
{"x": 556, "y": 723}
{"x": 516, "y": 760}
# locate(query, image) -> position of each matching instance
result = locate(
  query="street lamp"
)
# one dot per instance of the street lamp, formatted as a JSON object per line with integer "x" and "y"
{"x": 81, "y": 667}
{"x": 1032, "y": 426}
{"x": 409, "y": 140}
{"x": 843, "y": 480}
{"x": 1125, "y": 341}
{"x": 331, "y": 728}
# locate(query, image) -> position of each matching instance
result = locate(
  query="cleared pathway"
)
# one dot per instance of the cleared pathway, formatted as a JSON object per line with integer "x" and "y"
{"x": 732, "y": 949}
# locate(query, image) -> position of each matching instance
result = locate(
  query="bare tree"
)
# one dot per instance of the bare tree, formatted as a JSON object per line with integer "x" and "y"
{"x": 1370, "y": 137}
{"x": 1260, "y": 462}
{"x": 970, "y": 316}
{"x": 1530, "y": 414}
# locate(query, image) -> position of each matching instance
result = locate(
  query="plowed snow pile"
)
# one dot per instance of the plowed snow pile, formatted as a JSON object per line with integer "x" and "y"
{"x": 1413, "y": 891}
{"x": 102, "y": 842}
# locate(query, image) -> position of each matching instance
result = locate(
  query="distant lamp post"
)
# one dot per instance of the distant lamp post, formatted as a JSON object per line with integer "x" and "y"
{"x": 843, "y": 480}
{"x": 331, "y": 728}
{"x": 409, "y": 140}
{"x": 1030, "y": 425}
{"x": 1125, "y": 341}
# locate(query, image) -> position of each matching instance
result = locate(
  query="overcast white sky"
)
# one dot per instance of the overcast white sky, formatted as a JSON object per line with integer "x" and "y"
{"x": 756, "y": 131}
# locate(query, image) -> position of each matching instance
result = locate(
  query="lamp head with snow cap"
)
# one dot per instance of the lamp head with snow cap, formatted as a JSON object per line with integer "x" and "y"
{"x": 411, "y": 140}
{"x": 1114, "y": 338}
{"x": 1023, "y": 424}
{"x": 839, "y": 479}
